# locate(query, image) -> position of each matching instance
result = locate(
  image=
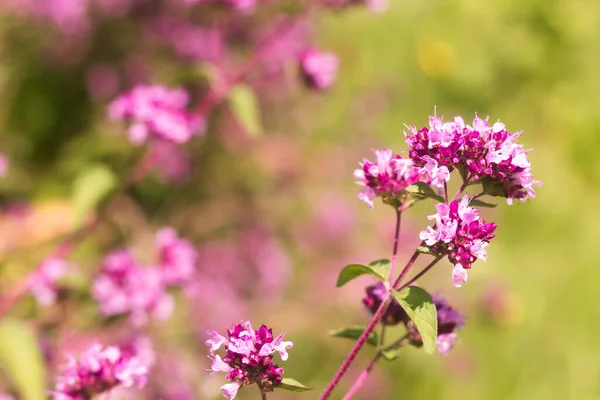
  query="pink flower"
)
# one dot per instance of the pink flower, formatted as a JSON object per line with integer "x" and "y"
{"x": 445, "y": 342}
{"x": 388, "y": 176}
{"x": 3, "y": 164}
{"x": 459, "y": 275}
{"x": 487, "y": 154}
{"x": 155, "y": 110}
{"x": 249, "y": 357}
{"x": 43, "y": 283}
{"x": 318, "y": 68}
{"x": 177, "y": 257}
{"x": 460, "y": 233}
{"x": 98, "y": 370}
{"x": 124, "y": 287}
{"x": 230, "y": 390}
{"x": 433, "y": 173}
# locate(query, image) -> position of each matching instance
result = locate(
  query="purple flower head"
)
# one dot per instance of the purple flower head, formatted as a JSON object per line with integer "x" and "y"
{"x": 124, "y": 287}
{"x": 43, "y": 283}
{"x": 388, "y": 176}
{"x": 449, "y": 322}
{"x": 98, "y": 370}
{"x": 483, "y": 153}
{"x": 248, "y": 358}
{"x": 156, "y": 111}
{"x": 318, "y": 68}
{"x": 177, "y": 257}
{"x": 460, "y": 233}
{"x": 372, "y": 300}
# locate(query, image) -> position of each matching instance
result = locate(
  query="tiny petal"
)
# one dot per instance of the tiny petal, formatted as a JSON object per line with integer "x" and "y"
{"x": 459, "y": 275}
{"x": 230, "y": 390}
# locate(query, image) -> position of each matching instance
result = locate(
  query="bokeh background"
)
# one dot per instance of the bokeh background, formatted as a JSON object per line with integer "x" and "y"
{"x": 275, "y": 216}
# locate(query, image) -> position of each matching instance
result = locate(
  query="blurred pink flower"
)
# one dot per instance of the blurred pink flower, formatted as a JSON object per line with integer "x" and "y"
{"x": 43, "y": 282}
{"x": 177, "y": 257}
{"x": 318, "y": 68}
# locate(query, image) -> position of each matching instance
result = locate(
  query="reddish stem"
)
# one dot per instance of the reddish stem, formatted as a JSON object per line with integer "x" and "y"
{"x": 362, "y": 378}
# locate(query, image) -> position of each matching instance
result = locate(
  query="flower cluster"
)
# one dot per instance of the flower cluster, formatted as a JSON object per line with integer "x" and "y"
{"x": 482, "y": 153}
{"x": 156, "y": 110}
{"x": 98, "y": 370}
{"x": 318, "y": 68}
{"x": 449, "y": 320}
{"x": 390, "y": 174}
{"x": 123, "y": 286}
{"x": 460, "y": 233}
{"x": 249, "y": 357}
{"x": 43, "y": 283}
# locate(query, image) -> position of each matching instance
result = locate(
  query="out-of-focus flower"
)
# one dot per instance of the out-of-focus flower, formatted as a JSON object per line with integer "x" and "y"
{"x": 3, "y": 164}
{"x": 177, "y": 257}
{"x": 96, "y": 371}
{"x": 375, "y": 295}
{"x": 43, "y": 283}
{"x": 249, "y": 357}
{"x": 155, "y": 110}
{"x": 460, "y": 233}
{"x": 318, "y": 68}
{"x": 170, "y": 160}
{"x": 483, "y": 153}
{"x": 124, "y": 287}
{"x": 388, "y": 176}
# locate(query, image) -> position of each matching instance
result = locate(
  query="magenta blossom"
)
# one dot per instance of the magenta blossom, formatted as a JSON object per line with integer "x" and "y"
{"x": 43, "y": 283}
{"x": 3, "y": 164}
{"x": 482, "y": 153}
{"x": 249, "y": 357}
{"x": 124, "y": 287}
{"x": 156, "y": 111}
{"x": 388, "y": 176}
{"x": 318, "y": 68}
{"x": 98, "y": 370}
{"x": 460, "y": 233}
{"x": 177, "y": 257}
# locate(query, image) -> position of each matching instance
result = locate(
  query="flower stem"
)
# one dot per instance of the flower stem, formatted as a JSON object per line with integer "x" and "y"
{"x": 376, "y": 317}
{"x": 395, "y": 249}
{"x": 364, "y": 375}
{"x": 362, "y": 378}
{"x": 420, "y": 274}
{"x": 262, "y": 392}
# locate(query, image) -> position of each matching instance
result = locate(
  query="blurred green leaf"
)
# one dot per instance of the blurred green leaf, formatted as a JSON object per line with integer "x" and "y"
{"x": 426, "y": 250}
{"x": 479, "y": 203}
{"x": 391, "y": 354}
{"x": 424, "y": 190}
{"x": 354, "y": 332}
{"x": 21, "y": 359}
{"x": 292, "y": 385}
{"x": 419, "y": 306}
{"x": 379, "y": 269}
{"x": 246, "y": 109}
{"x": 91, "y": 187}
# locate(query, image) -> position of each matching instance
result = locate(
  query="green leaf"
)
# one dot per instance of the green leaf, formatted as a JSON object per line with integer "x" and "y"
{"x": 424, "y": 190}
{"x": 426, "y": 250}
{"x": 21, "y": 359}
{"x": 292, "y": 385}
{"x": 354, "y": 332}
{"x": 379, "y": 269}
{"x": 479, "y": 203}
{"x": 90, "y": 188}
{"x": 492, "y": 188}
{"x": 420, "y": 308}
{"x": 391, "y": 354}
{"x": 245, "y": 107}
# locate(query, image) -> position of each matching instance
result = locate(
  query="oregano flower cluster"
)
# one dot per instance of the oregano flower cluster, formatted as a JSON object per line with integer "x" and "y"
{"x": 249, "y": 357}
{"x": 97, "y": 370}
